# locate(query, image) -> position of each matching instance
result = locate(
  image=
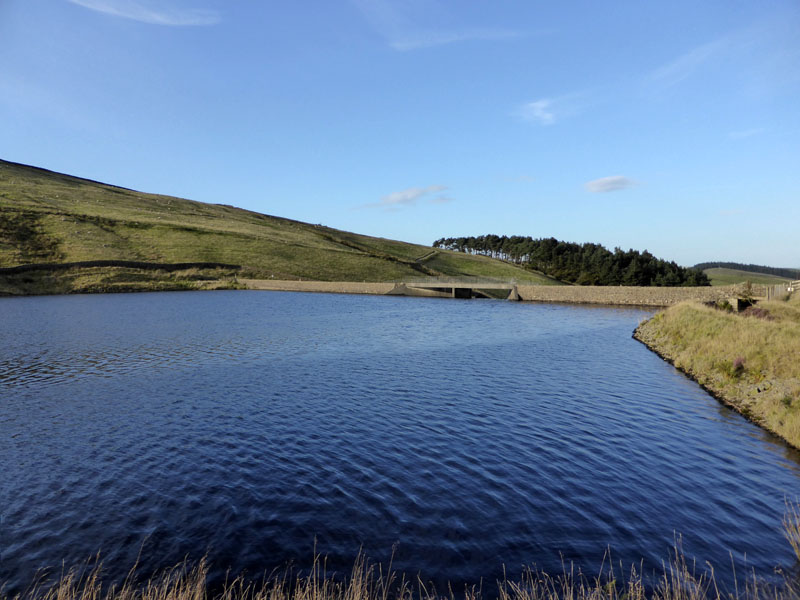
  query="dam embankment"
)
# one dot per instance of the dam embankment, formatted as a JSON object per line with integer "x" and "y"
{"x": 625, "y": 295}
{"x": 331, "y": 287}
{"x": 614, "y": 295}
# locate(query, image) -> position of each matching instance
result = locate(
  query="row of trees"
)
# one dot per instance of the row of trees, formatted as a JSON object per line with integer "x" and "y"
{"x": 583, "y": 264}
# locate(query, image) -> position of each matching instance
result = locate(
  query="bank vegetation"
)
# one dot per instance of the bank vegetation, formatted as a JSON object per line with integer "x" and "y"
{"x": 749, "y": 360}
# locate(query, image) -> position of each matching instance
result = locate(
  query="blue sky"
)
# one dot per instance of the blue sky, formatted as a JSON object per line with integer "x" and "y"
{"x": 672, "y": 127}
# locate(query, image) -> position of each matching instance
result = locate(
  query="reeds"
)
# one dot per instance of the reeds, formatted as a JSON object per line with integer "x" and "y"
{"x": 791, "y": 527}
{"x": 679, "y": 580}
{"x": 367, "y": 581}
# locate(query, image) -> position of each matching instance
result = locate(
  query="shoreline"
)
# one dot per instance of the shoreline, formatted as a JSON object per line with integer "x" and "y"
{"x": 130, "y": 280}
{"x": 719, "y": 397}
{"x": 652, "y": 297}
{"x": 736, "y": 359}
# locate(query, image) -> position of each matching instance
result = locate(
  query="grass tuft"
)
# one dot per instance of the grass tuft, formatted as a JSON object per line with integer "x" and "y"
{"x": 791, "y": 527}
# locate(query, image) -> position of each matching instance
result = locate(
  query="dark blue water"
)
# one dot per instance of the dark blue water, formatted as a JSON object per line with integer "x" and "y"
{"x": 472, "y": 434}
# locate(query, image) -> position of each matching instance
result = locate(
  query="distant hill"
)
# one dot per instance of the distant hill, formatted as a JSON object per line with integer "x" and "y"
{"x": 48, "y": 217}
{"x": 722, "y": 276}
{"x": 782, "y": 273}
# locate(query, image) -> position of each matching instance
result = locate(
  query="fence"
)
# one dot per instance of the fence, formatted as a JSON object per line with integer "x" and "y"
{"x": 781, "y": 289}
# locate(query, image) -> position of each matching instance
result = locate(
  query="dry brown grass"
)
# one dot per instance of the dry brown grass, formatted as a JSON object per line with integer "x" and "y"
{"x": 750, "y": 362}
{"x": 791, "y": 527}
{"x": 366, "y": 581}
{"x": 680, "y": 580}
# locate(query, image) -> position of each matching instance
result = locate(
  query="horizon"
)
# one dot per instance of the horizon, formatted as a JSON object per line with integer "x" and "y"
{"x": 671, "y": 129}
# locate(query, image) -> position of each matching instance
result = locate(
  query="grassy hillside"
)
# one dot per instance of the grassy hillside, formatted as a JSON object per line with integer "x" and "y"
{"x": 749, "y": 360}
{"x": 784, "y": 272}
{"x": 48, "y": 217}
{"x": 720, "y": 276}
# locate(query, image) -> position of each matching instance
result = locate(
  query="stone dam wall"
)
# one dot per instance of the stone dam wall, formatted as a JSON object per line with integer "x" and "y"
{"x": 625, "y": 295}
{"x": 618, "y": 295}
{"x": 331, "y": 287}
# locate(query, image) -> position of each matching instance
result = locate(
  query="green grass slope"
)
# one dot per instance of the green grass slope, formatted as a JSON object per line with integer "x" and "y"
{"x": 748, "y": 359}
{"x": 48, "y": 217}
{"x": 721, "y": 276}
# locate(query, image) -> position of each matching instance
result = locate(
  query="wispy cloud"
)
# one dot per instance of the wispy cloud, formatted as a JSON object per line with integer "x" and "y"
{"x": 745, "y": 133}
{"x": 426, "y": 39}
{"x": 409, "y": 197}
{"x": 548, "y": 111}
{"x": 609, "y": 184}
{"x": 686, "y": 65}
{"x": 756, "y": 60}
{"x": 409, "y": 25}
{"x": 153, "y": 13}
{"x": 541, "y": 112}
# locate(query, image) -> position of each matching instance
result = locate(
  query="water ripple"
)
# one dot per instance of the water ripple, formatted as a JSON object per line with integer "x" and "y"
{"x": 253, "y": 426}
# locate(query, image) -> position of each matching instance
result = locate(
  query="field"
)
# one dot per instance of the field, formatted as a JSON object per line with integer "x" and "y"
{"x": 720, "y": 276}
{"x": 748, "y": 360}
{"x": 48, "y": 217}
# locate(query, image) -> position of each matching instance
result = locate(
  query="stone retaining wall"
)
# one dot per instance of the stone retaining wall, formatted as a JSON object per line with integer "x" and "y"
{"x": 620, "y": 295}
{"x": 332, "y": 287}
{"x": 634, "y": 296}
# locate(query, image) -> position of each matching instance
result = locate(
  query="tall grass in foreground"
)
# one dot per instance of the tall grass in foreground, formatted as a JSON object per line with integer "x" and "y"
{"x": 367, "y": 581}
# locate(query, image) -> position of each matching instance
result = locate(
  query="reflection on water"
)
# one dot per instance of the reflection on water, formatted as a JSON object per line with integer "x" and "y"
{"x": 473, "y": 434}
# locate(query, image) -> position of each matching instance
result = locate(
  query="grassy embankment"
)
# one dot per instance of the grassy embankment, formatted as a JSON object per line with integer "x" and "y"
{"x": 47, "y": 217}
{"x": 680, "y": 581}
{"x": 721, "y": 276}
{"x": 750, "y": 360}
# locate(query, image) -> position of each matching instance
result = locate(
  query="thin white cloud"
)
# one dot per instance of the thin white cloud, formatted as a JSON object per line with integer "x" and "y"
{"x": 152, "y": 12}
{"x": 745, "y": 133}
{"x": 755, "y": 61}
{"x": 686, "y": 65}
{"x": 407, "y": 25}
{"x": 609, "y": 184}
{"x": 427, "y": 39}
{"x": 441, "y": 200}
{"x": 540, "y": 111}
{"x": 548, "y": 111}
{"x": 409, "y": 197}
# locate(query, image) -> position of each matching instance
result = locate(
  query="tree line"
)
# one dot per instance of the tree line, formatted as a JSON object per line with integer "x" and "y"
{"x": 777, "y": 271}
{"x": 582, "y": 264}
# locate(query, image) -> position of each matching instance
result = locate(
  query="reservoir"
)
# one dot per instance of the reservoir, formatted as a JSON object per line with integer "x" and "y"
{"x": 256, "y": 427}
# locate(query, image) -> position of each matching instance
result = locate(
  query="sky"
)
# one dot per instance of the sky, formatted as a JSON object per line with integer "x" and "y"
{"x": 667, "y": 126}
